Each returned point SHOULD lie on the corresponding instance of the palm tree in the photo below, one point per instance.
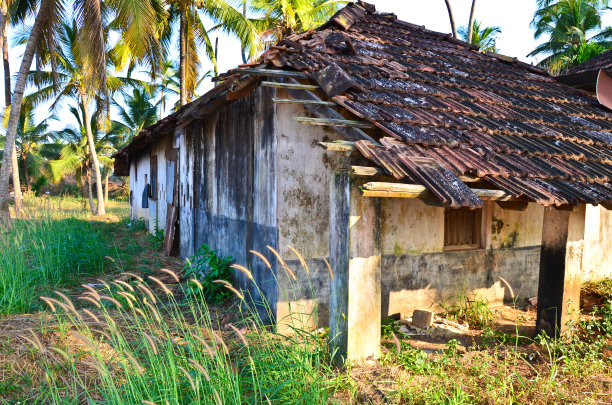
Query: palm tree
(280, 18)
(139, 112)
(4, 21)
(29, 138)
(46, 19)
(187, 14)
(73, 81)
(574, 28)
(75, 157)
(167, 84)
(485, 38)
(42, 42)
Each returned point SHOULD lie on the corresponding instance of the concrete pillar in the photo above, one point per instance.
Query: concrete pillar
(355, 257)
(560, 270)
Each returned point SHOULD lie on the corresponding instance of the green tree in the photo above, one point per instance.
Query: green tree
(75, 157)
(42, 42)
(28, 141)
(279, 18)
(72, 81)
(188, 15)
(484, 37)
(139, 112)
(574, 31)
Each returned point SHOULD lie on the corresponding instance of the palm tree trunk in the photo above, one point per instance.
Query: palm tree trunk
(451, 18)
(471, 22)
(92, 207)
(24, 162)
(183, 55)
(26, 62)
(94, 156)
(7, 100)
(242, 49)
(106, 187)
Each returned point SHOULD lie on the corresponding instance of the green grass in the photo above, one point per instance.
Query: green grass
(54, 244)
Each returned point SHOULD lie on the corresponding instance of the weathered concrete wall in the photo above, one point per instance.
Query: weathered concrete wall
(232, 205)
(418, 273)
(597, 255)
(304, 170)
(139, 176)
(158, 207)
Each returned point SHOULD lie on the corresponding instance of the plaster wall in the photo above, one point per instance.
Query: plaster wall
(597, 257)
(417, 273)
(303, 203)
(139, 168)
(158, 207)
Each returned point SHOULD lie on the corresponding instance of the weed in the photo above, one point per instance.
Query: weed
(389, 327)
(157, 237)
(207, 267)
(474, 311)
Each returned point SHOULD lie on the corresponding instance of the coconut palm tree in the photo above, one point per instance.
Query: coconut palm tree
(279, 18)
(484, 37)
(188, 15)
(574, 30)
(73, 82)
(139, 112)
(29, 139)
(48, 15)
(75, 157)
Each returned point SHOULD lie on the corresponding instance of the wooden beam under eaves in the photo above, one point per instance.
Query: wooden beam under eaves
(333, 122)
(270, 73)
(401, 190)
(292, 86)
(303, 102)
(367, 171)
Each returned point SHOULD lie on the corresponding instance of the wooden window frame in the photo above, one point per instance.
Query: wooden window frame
(458, 219)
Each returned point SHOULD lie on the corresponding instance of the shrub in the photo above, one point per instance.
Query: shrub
(207, 267)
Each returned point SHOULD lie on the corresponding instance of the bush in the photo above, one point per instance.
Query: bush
(207, 267)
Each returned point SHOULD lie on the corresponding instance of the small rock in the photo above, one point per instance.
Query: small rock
(533, 301)
(422, 319)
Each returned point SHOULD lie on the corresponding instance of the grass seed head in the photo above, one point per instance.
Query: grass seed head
(124, 284)
(262, 257)
(301, 259)
(161, 284)
(188, 376)
(172, 274)
(331, 272)
(136, 276)
(240, 335)
(89, 299)
(200, 368)
(151, 342)
(243, 269)
(93, 291)
(148, 292)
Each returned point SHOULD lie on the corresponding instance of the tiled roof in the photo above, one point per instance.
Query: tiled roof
(478, 114)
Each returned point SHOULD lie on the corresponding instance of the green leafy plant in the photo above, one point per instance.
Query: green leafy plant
(475, 311)
(157, 237)
(388, 327)
(208, 268)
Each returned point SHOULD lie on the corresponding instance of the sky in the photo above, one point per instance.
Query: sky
(512, 16)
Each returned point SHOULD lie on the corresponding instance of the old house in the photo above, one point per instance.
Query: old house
(417, 166)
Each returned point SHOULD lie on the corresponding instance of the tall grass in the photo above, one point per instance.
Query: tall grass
(146, 347)
(48, 247)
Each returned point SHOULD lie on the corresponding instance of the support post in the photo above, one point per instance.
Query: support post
(560, 270)
(355, 257)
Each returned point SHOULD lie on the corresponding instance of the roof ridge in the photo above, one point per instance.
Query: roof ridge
(349, 15)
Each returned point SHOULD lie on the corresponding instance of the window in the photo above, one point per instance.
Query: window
(462, 229)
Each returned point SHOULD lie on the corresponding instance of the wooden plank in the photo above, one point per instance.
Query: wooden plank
(333, 122)
(349, 133)
(338, 146)
(270, 73)
(293, 86)
(309, 102)
(367, 171)
(402, 190)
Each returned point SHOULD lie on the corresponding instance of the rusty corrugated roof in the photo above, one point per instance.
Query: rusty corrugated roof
(438, 98)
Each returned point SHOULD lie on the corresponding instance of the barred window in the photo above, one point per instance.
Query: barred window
(462, 229)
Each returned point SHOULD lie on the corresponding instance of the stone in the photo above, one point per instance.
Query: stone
(422, 319)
